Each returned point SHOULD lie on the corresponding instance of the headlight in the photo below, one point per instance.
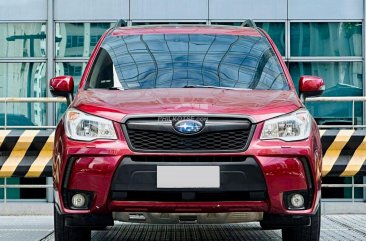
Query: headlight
(292, 127)
(84, 127)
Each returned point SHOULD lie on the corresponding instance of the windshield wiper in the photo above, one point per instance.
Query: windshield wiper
(214, 87)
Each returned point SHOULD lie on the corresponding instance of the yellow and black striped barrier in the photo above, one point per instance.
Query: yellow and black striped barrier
(344, 152)
(26, 153)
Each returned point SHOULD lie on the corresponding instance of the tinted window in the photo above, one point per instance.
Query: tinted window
(179, 60)
(326, 39)
(22, 40)
(78, 39)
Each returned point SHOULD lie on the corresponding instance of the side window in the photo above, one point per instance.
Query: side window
(102, 73)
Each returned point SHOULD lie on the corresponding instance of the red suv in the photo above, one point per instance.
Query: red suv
(187, 124)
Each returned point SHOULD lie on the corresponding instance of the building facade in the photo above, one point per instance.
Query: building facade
(41, 39)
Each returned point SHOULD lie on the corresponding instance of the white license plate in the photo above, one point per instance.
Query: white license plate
(188, 177)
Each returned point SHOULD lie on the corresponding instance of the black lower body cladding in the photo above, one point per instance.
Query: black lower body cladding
(241, 179)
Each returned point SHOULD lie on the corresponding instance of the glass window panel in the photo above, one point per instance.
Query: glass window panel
(277, 33)
(23, 40)
(76, 71)
(78, 39)
(342, 192)
(326, 39)
(213, 60)
(23, 80)
(12, 193)
(341, 79)
(32, 193)
(276, 30)
(24, 114)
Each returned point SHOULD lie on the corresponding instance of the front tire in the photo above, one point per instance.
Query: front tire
(304, 233)
(63, 233)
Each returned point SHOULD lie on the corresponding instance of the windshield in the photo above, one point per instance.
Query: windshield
(187, 60)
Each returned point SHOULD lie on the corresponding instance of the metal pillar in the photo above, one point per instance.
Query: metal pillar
(50, 58)
(50, 73)
(363, 57)
(364, 77)
(49, 191)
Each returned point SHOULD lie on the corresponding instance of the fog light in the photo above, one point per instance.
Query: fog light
(78, 200)
(297, 200)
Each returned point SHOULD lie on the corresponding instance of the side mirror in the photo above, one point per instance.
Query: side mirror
(63, 86)
(310, 86)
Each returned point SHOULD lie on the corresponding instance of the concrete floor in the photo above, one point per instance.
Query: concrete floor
(34, 222)
(35, 228)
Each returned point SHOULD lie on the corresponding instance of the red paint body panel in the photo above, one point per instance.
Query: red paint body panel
(62, 84)
(257, 104)
(98, 160)
(311, 83)
(279, 161)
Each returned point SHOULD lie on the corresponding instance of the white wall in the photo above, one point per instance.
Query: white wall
(325, 9)
(23, 10)
(248, 9)
(110, 10)
(169, 9)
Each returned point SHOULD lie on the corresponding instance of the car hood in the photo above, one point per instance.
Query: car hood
(258, 105)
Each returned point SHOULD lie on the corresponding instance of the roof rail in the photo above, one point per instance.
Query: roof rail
(248, 23)
(121, 23)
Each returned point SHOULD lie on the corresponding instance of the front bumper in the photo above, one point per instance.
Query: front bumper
(283, 167)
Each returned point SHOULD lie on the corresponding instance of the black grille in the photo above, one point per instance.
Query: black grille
(209, 140)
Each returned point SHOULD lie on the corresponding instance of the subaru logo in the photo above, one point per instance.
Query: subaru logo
(188, 126)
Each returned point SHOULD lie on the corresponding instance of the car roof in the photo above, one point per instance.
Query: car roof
(186, 29)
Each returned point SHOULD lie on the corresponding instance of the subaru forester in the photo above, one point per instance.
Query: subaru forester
(187, 124)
